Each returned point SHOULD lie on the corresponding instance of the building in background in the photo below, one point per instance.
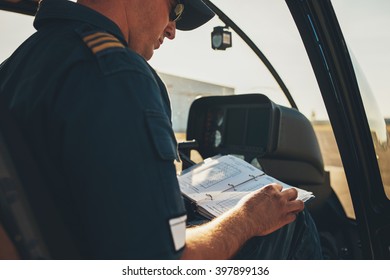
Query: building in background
(183, 92)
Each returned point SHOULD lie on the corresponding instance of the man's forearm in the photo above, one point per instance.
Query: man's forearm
(218, 239)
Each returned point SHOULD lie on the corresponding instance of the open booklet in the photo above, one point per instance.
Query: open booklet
(218, 183)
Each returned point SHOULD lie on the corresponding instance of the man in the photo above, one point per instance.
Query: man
(97, 119)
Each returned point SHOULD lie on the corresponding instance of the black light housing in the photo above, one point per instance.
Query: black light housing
(221, 39)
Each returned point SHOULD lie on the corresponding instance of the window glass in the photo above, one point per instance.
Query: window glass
(365, 28)
(14, 29)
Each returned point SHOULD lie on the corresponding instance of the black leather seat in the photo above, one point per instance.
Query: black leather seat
(30, 222)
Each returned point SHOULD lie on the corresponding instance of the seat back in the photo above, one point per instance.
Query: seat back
(8, 250)
(29, 218)
(19, 230)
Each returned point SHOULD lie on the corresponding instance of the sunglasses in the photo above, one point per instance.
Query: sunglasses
(176, 11)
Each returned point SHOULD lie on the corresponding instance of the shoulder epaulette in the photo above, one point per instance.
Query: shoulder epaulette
(102, 41)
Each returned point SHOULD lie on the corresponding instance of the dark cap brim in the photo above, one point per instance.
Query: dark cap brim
(195, 14)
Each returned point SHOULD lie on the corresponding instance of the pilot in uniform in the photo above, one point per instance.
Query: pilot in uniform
(97, 117)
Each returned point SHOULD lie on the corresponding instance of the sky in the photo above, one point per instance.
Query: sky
(364, 23)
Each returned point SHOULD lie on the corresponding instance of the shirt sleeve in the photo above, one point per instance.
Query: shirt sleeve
(116, 152)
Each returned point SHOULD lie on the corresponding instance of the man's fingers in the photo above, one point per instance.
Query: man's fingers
(291, 193)
(291, 217)
(274, 186)
(296, 206)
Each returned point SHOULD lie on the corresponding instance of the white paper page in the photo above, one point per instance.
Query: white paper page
(214, 176)
(227, 200)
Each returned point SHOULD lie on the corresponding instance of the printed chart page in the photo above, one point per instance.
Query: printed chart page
(226, 200)
(214, 176)
(219, 183)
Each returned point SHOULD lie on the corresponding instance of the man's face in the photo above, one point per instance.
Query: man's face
(152, 26)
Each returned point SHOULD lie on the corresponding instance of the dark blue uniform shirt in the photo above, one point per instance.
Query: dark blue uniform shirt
(97, 118)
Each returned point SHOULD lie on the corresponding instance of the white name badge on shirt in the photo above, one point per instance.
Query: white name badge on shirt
(178, 231)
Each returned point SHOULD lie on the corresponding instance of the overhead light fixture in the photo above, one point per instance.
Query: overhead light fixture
(221, 39)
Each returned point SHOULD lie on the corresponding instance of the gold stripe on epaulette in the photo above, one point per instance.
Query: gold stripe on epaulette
(107, 46)
(96, 35)
(100, 41)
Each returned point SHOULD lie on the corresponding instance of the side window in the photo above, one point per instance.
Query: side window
(368, 40)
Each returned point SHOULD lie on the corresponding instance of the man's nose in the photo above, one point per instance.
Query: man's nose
(170, 30)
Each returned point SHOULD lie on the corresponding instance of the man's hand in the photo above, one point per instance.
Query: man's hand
(258, 213)
(269, 208)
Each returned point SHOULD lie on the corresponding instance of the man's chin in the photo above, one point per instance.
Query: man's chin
(148, 55)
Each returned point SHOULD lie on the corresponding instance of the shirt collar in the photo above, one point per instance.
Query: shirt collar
(64, 9)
